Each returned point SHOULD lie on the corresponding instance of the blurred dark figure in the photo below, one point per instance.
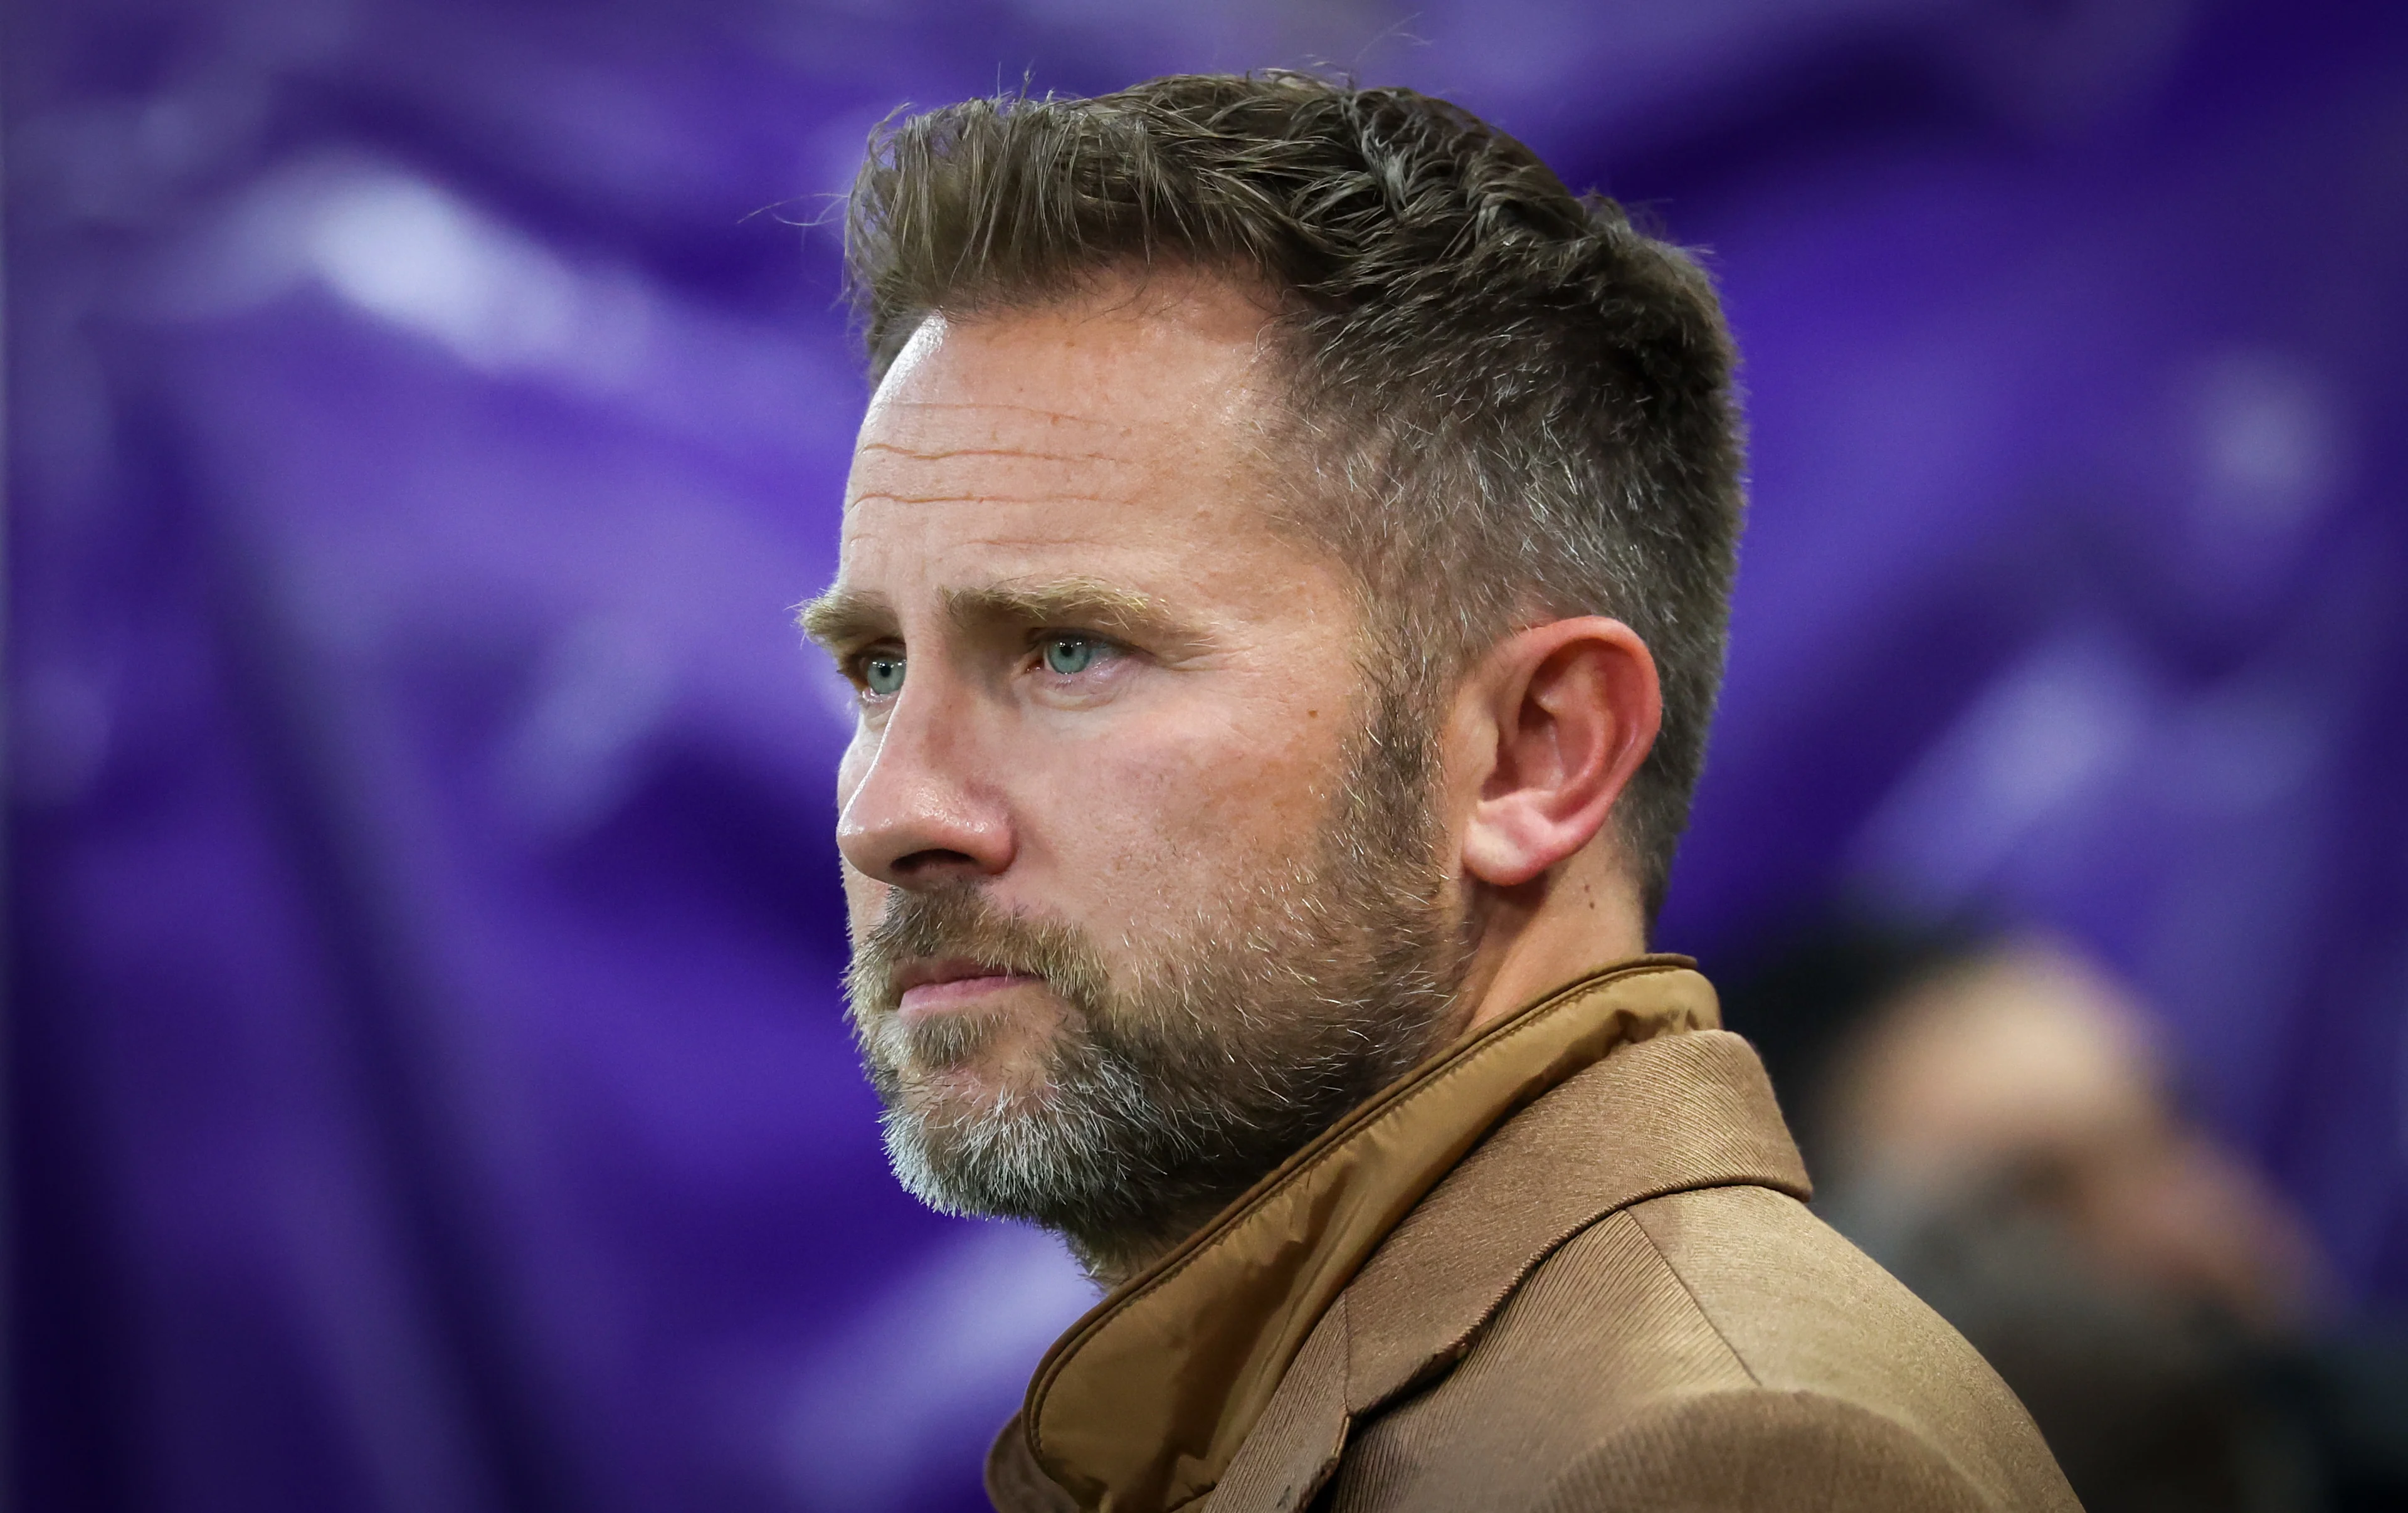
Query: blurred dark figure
(1994, 1120)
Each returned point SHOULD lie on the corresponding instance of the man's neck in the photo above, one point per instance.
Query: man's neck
(1583, 917)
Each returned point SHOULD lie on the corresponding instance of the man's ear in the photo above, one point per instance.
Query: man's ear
(1561, 715)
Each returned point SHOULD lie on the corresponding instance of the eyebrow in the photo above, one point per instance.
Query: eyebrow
(1089, 603)
(843, 618)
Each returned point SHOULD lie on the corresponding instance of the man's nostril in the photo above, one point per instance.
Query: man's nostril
(932, 863)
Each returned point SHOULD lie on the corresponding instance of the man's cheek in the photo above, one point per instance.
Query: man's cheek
(1182, 800)
(1265, 784)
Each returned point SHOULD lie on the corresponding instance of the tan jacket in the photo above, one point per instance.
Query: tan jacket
(1565, 1265)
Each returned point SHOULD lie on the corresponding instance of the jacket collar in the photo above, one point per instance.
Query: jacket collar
(1145, 1403)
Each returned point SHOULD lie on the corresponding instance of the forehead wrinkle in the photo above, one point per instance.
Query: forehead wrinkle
(1000, 415)
(1019, 453)
(991, 404)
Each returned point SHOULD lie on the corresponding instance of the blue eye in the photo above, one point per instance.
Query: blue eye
(881, 674)
(1068, 655)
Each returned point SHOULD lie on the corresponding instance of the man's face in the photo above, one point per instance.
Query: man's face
(1143, 881)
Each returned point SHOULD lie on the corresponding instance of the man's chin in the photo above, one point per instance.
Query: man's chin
(968, 1144)
(960, 1068)
(970, 1090)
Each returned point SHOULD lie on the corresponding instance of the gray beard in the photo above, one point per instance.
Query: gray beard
(1252, 1026)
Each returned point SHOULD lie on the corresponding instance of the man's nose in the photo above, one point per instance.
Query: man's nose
(927, 811)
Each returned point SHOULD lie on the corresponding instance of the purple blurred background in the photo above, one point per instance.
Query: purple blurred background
(426, 1081)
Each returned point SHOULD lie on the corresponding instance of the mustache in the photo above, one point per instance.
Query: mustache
(959, 920)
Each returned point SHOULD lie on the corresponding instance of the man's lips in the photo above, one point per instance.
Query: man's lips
(937, 987)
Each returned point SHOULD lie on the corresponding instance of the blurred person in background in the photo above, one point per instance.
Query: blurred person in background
(1995, 1118)
(1285, 573)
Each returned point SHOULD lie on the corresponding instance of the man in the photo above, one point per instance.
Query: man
(1285, 571)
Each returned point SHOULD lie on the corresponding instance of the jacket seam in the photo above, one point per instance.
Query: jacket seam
(1691, 1293)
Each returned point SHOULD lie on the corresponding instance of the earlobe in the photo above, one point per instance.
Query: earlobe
(1571, 709)
(1501, 852)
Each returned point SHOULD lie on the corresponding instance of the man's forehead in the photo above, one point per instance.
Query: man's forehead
(902, 419)
(1002, 419)
(1113, 444)
(997, 450)
(1088, 371)
(1128, 409)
